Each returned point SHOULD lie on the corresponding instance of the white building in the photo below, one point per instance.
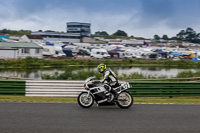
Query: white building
(32, 38)
(6, 53)
(16, 50)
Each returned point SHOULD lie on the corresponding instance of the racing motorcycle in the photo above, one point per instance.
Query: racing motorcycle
(98, 92)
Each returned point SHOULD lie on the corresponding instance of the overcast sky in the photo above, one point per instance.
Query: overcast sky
(140, 18)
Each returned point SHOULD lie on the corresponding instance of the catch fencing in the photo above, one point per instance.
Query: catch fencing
(65, 88)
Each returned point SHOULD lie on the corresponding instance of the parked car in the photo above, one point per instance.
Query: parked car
(83, 52)
(125, 54)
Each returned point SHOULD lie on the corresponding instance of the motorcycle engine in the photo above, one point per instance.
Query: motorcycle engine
(110, 97)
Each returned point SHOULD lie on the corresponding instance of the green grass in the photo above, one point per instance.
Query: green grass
(175, 100)
(36, 99)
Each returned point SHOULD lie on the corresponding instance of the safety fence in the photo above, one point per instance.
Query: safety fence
(64, 88)
(12, 87)
(54, 88)
(157, 89)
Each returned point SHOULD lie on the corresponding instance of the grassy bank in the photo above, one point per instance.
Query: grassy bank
(175, 100)
(39, 63)
(36, 99)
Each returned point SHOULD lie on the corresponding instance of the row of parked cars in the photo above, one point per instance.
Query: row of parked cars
(143, 53)
(112, 51)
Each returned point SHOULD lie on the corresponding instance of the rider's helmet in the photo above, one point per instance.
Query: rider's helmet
(101, 68)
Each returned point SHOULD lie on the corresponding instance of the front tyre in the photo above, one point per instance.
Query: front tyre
(124, 100)
(85, 100)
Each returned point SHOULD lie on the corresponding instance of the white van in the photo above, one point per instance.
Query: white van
(99, 53)
(59, 52)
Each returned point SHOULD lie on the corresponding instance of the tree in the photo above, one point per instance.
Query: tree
(165, 37)
(120, 33)
(189, 35)
(15, 32)
(101, 33)
(198, 36)
(49, 31)
(5, 31)
(156, 37)
(181, 35)
(173, 38)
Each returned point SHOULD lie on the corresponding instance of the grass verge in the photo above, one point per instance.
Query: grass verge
(175, 100)
(36, 99)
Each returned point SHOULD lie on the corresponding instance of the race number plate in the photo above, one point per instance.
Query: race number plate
(126, 86)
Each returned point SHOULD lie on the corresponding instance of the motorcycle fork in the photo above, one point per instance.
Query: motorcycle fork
(88, 94)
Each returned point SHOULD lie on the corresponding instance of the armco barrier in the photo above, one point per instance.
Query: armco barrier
(157, 89)
(54, 88)
(12, 87)
(64, 88)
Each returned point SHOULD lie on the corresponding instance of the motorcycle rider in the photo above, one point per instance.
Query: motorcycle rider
(109, 77)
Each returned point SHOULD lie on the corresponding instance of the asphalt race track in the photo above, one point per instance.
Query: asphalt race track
(70, 118)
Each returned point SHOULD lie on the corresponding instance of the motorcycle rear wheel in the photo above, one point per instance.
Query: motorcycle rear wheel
(124, 100)
(84, 101)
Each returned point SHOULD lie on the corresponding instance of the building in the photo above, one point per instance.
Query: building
(75, 33)
(88, 40)
(59, 36)
(16, 50)
(82, 28)
(114, 41)
(32, 38)
(133, 42)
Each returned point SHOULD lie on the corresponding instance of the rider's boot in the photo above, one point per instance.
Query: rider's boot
(115, 93)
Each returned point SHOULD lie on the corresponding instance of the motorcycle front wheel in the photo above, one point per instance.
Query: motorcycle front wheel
(124, 100)
(85, 100)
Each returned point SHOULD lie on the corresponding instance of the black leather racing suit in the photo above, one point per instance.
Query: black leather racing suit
(110, 78)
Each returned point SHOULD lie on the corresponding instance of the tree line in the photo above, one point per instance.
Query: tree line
(188, 35)
(15, 32)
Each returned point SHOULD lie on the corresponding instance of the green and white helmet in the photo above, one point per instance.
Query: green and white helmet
(101, 68)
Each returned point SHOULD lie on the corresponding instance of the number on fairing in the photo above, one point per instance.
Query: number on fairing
(126, 86)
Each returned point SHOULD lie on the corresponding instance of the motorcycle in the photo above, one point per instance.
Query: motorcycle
(98, 92)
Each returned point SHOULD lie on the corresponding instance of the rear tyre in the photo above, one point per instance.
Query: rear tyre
(124, 100)
(85, 100)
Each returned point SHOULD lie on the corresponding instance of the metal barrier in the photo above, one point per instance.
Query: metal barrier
(12, 87)
(157, 89)
(54, 88)
(64, 88)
